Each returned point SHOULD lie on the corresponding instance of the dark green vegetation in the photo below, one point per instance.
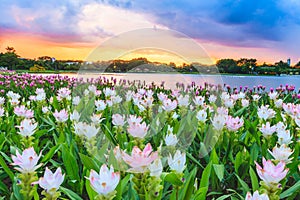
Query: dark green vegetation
(12, 61)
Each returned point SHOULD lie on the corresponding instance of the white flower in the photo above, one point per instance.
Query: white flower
(241, 95)
(88, 130)
(171, 139)
(199, 100)
(2, 100)
(27, 127)
(118, 120)
(100, 105)
(183, 100)
(109, 92)
(96, 118)
(256, 196)
(264, 112)
(175, 115)
(201, 115)
(63, 93)
(267, 130)
(229, 103)
(273, 95)
(76, 100)
(75, 116)
(256, 97)
(278, 103)
(2, 111)
(219, 121)
(245, 102)
(27, 161)
(282, 153)
(106, 181)
(138, 129)
(225, 96)
(177, 162)
(156, 168)
(297, 121)
(212, 98)
(50, 182)
(169, 105)
(116, 99)
(61, 116)
(284, 137)
(45, 109)
(280, 126)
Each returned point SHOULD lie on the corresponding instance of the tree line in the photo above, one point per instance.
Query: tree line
(11, 60)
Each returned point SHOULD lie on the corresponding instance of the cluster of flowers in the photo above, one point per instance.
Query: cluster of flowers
(152, 133)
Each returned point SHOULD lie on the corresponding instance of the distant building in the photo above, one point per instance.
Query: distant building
(289, 62)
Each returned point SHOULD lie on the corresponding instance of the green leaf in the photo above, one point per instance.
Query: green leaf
(120, 188)
(224, 197)
(205, 176)
(172, 178)
(188, 188)
(291, 191)
(92, 194)
(238, 161)
(70, 163)
(254, 180)
(6, 168)
(219, 170)
(72, 195)
(50, 153)
(201, 194)
(243, 184)
(89, 162)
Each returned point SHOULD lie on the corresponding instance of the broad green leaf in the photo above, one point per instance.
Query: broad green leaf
(204, 182)
(243, 184)
(70, 163)
(172, 178)
(291, 191)
(188, 188)
(89, 162)
(72, 195)
(219, 170)
(254, 180)
(6, 168)
(50, 153)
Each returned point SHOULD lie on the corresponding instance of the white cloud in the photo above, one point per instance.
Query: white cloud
(98, 20)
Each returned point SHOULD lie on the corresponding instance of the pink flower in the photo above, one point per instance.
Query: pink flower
(27, 162)
(27, 127)
(256, 196)
(233, 124)
(61, 116)
(140, 160)
(106, 181)
(118, 120)
(169, 105)
(138, 130)
(21, 111)
(271, 173)
(267, 130)
(51, 181)
(282, 153)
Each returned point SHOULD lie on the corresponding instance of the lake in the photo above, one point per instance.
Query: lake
(170, 80)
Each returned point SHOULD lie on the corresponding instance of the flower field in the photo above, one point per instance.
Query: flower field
(70, 138)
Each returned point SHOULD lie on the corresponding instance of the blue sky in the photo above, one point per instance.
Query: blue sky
(242, 28)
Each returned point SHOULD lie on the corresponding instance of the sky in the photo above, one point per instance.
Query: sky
(267, 30)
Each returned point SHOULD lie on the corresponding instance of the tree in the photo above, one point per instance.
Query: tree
(247, 64)
(281, 67)
(227, 66)
(9, 59)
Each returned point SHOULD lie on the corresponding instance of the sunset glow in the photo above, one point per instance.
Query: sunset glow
(73, 29)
